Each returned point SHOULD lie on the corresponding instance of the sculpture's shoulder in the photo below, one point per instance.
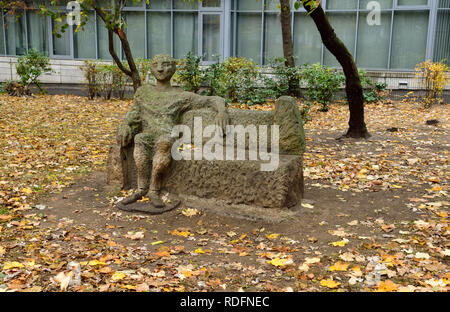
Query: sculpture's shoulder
(145, 93)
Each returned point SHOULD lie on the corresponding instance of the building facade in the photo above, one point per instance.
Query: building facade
(383, 35)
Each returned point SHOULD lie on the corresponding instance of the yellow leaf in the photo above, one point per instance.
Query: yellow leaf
(96, 262)
(340, 243)
(199, 251)
(272, 236)
(12, 265)
(387, 286)
(339, 266)
(143, 199)
(280, 262)
(178, 233)
(157, 243)
(2, 250)
(329, 283)
(117, 276)
(129, 287)
(27, 191)
(396, 186)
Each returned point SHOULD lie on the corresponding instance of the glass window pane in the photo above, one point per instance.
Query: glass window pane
(185, 4)
(37, 27)
(442, 39)
(345, 25)
(135, 3)
(385, 4)
(185, 34)
(159, 38)
(211, 36)
(84, 40)
(211, 3)
(342, 4)
(307, 41)
(135, 30)
(159, 4)
(412, 2)
(409, 39)
(2, 42)
(373, 42)
(103, 45)
(249, 36)
(61, 45)
(273, 5)
(273, 43)
(249, 5)
(444, 3)
(15, 35)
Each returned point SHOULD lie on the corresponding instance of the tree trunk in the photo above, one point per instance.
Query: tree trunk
(127, 50)
(132, 72)
(357, 126)
(288, 46)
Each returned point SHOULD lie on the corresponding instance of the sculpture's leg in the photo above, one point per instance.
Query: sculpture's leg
(161, 164)
(142, 158)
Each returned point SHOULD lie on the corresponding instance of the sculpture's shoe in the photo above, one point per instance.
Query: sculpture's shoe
(133, 198)
(156, 201)
(148, 208)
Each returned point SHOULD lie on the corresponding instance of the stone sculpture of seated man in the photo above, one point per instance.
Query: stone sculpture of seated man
(156, 110)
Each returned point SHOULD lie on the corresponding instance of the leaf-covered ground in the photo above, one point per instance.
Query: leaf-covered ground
(375, 216)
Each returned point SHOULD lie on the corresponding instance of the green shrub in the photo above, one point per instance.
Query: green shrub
(91, 72)
(322, 83)
(372, 92)
(237, 79)
(189, 74)
(143, 67)
(30, 67)
(283, 76)
(112, 81)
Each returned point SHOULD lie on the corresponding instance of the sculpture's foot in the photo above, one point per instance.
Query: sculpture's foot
(156, 200)
(148, 208)
(133, 198)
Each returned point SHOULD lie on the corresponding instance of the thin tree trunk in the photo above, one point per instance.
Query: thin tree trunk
(132, 72)
(288, 46)
(353, 88)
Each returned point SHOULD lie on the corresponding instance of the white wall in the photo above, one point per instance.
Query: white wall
(68, 71)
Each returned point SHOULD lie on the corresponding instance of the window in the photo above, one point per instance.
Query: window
(273, 43)
(412, 2)
(307, 41)
(15, 35)
(159, 33)
(185, 34)
(248, 41)
(409, 39)
(341, 4)
(373, 42)
(84, 40)
(442, 37)
(135, 30)
(344, 25)
(37, 28)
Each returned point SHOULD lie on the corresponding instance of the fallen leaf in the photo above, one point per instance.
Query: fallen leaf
(339, 266)
(329, 283)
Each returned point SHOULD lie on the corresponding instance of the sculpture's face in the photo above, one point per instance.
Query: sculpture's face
(163, 67)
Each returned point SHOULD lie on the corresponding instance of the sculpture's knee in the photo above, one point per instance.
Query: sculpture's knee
(143, 146)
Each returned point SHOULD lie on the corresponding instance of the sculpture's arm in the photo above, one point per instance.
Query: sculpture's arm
(216, 103)
(130, 126)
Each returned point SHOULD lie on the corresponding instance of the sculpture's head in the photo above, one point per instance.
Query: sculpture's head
(163, 67)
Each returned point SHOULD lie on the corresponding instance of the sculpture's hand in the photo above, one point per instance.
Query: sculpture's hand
(124, 136)
(222, 120)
